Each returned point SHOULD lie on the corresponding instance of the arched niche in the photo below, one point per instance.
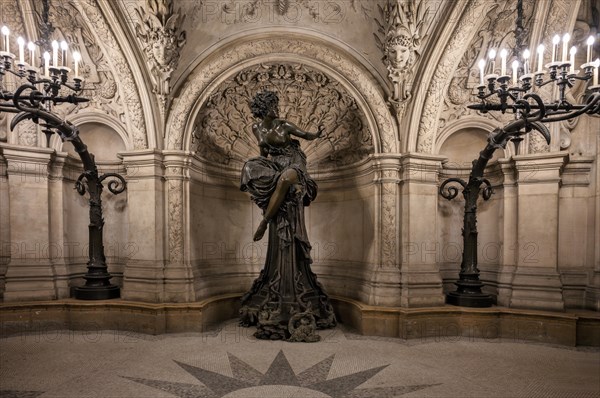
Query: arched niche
(462, 147)
(307, 97)
(212, 120)
(462, 140)
(102, 140)
(461, 144)
(322, 54)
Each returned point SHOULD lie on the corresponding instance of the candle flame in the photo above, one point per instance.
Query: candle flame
(556, 39)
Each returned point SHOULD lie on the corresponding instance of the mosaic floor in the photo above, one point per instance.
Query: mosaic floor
(230, 363)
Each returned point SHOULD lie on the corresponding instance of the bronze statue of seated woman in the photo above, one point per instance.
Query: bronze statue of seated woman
(281, 186)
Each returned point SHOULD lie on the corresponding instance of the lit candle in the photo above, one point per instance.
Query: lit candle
(596, 67)
(565, 40)
(573, 52)
(54, 53)
(540, 51)
(526, 55)
(76, 59)
(6, 33)
(492, 56)
(31, 48)
(503, 55)
(515, 67)
(555, 41)
(590, 43)
(64, 47)
(481, 68)
(21, 43)
(46, 64)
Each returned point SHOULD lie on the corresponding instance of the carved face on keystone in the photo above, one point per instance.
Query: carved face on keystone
(399, 52)
(163, 50)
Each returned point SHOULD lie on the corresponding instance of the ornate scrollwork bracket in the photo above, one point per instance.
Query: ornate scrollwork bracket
(116, 186)
(451, 192)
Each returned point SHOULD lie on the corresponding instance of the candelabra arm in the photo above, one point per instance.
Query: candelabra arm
(591, 107)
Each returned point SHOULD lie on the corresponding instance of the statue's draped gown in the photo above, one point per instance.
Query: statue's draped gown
(286, 286)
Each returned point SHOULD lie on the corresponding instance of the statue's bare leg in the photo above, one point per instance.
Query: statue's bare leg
(286, 180)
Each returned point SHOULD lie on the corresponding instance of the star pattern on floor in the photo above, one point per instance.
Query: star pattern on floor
(280, 373)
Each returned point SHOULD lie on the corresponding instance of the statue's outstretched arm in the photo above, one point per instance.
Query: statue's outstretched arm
(292, 129)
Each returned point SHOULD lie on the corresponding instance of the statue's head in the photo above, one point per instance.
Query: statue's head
(264, 103)
(399, 51)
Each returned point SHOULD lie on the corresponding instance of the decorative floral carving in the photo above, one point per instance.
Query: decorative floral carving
(127, 90)
(100, 86)
(162, 39)
(388, 221)
(496, 32)
(556, 22)
(175, 189)
(308, 98)
(443, 75)
(400, 37)
(201, 77)
(25, 132)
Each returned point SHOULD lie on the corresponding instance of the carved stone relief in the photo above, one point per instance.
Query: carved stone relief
(585, 26)
(175, 221)
(556, 23)
(495, 32)
(99, 86)
(388, 217)
(113, 87)
(199, 80)
(455, 48)
(400, 35)
(161, 38)
(308, 98)
(25, 132)
(320, 11)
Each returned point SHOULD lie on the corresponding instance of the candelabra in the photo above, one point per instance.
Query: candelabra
(515, 95)
(33, 99)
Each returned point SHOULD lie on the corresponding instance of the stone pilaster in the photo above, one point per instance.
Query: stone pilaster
(144, 272)
(592, 291)
(421, 282)
(508, 231)
(178, 275)
(576, 230)
(56, 202)
(385, 278)
(4, 222)
(30, 272)
(536, 283)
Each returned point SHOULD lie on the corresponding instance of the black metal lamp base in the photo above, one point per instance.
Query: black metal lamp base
(477, 300)
(97, 292)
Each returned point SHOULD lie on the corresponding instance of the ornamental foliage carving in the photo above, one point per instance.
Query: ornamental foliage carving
(308, 98)
(443, 74)
(496, 32)
(100, 85)
(126, 88)
(162, 40)
(400, 35)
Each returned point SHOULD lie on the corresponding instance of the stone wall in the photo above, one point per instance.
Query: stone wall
(177, 127)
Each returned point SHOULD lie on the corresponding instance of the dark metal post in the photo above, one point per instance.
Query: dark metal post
(97, 285)
(97, 279)
(468, 292)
